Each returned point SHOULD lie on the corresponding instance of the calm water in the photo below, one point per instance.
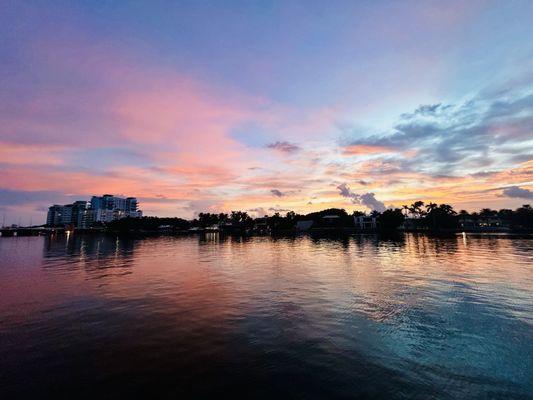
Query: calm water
(409, 317)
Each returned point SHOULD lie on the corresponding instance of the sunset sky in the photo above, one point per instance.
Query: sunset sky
(265, 106)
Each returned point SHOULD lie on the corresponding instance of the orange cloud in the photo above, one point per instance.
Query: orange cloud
(356, 150)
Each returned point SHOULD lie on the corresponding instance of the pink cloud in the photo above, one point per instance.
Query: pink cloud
(22, 154)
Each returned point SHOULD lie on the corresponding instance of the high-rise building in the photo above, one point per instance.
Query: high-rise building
(82, 214)
(55, 215)
(108, 208)
(62, 215)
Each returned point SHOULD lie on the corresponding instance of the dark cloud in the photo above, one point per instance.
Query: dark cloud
(277, 193)
(484, 174)
(284, 147)
(367, 199)
(426, 110)
(517, 192)
(345, 191)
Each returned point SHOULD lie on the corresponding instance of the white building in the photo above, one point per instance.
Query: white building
(108, 208)
(365, 222)
(81, 214)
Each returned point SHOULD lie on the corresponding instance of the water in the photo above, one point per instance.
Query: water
(356, 317)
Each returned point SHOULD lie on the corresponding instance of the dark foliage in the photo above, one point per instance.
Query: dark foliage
(148, 224)
(440, 217)
(421, 217)
(390, 219)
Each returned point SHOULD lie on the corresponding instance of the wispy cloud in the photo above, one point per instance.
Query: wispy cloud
(284, 147)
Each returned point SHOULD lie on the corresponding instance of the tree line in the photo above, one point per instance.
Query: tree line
(418, 216)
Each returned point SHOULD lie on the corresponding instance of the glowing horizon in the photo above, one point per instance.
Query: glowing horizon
(265, 107)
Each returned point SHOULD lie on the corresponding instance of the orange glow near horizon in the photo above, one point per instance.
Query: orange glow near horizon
(84, 115)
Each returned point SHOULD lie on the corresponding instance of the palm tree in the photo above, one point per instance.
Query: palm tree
(416, 208)
(447, 209)
(430, 207)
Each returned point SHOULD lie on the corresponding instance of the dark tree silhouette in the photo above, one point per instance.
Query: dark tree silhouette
(391, 219)
(441, 217)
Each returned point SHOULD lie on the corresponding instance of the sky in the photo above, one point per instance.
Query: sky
(265, 106)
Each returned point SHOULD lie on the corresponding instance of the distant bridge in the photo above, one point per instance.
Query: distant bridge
(43, 230)
(29, 231)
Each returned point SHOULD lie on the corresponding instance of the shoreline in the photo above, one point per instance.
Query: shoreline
(26, 232)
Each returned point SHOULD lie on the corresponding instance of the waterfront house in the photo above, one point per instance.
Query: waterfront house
(261, 226)
(492, 222)
(467, 223)
(365, 222)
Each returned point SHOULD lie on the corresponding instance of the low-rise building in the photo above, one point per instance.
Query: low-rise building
(365, 222)
(466, 223)
(261, 226)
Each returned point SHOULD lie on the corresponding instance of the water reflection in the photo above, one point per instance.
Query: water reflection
(368, 316)
(83, 246)
(99, 256)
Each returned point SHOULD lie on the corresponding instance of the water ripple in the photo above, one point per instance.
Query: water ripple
(411, 316)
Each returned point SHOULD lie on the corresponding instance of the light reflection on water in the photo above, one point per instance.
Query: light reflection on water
(405, 317)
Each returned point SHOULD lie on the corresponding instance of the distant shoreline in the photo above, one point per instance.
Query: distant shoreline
(38, 231)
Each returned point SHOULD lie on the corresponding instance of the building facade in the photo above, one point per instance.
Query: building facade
(56, 215)
(108, 208)
(101, 209)
(81, 216)
(365, 222)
